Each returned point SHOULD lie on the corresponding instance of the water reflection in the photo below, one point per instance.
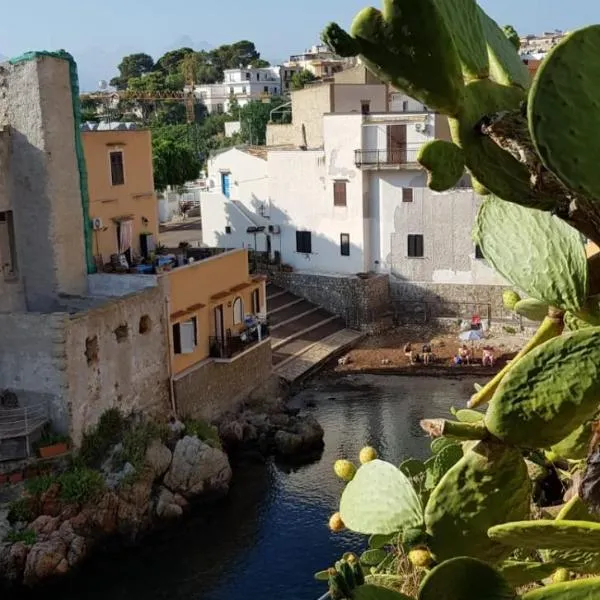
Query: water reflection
(270, 535)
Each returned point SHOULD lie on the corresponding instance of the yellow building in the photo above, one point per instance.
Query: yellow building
(123, 207)
(209, 305)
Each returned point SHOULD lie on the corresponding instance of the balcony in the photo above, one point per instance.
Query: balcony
(230, 346)
(399, 157)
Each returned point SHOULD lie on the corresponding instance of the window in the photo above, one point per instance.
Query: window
(219, 109)
(405, 106)
(415, 246)
(185, 337)
(231, 91)
(339, 193)
(365, 107)
(255, 302)
(8, 248)
(407, 194)
(478, 252)
(345, 244)
(304, 242)
(247, 76)
(117, 173)
(227, 228)
(266, 89)
(238, 311)
(244, 90)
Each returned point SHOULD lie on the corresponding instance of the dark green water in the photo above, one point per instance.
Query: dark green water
(270, 535)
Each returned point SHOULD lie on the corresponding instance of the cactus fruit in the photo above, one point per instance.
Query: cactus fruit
(533, 407)
(563, 112)
(509, 299)
(465, 578)
(344, 469)
(380, 499)
(367, 454)
(420, 557)
(583, 589)
(467, 415)
(520, 573)
(532, 309)
(489, 485)
(561, 576)
(444, 162)
(549, 535)
(335, 522)
(555, 271)
(550, 328)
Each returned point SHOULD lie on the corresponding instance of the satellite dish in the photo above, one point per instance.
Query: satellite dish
(102, 84)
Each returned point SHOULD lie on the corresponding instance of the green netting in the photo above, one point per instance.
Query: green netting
(83, 180)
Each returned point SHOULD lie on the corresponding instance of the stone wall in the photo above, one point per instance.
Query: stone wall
(211, 389)
(118, 356)
(33, 361)
(448, 300)
(340, 295)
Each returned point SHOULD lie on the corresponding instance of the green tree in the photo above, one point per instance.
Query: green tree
(301, 78)
(234, 107)
(134, 65)
(174, 159)
(254, 118)
(170, 63)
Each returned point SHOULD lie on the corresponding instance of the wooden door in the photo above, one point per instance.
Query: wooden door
(396, 144)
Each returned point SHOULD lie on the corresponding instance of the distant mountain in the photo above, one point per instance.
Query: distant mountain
(185, 41)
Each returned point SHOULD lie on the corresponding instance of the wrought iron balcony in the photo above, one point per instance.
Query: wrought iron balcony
(398, 156)
(230, 346)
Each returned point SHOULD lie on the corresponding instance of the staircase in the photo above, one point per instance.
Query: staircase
(303, 335)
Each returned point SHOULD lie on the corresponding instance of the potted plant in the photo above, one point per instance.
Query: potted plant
(52, 444)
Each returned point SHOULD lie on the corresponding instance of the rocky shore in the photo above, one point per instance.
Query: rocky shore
(171, 480)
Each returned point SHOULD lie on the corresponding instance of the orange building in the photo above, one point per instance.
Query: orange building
(212, 304)
(123, 207)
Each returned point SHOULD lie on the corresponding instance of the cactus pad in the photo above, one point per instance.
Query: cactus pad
(468, 415)
(564, 111)
(371, 558)
(445, 164)
(583, 589)
(465, 579)
(438, 444)
(548, 535)
(380, 499)
(412, 467)
(532, 309)
(375, 592)
(575, 445)
(489, 485)
(535, 251)
(519, 573)
(535, 408)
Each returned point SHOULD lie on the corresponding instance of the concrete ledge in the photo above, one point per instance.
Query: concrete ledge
(110, 284)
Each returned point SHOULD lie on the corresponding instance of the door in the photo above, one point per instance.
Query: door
(255, 302)
(219, 322)
(226, 184)
(396, 144)
(269, 249)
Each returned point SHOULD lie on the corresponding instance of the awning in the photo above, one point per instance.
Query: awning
(123, 218)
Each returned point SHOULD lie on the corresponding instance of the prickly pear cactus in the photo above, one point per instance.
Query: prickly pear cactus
(520, 573)
(380, 499)
(575, 445)
(533, 407)
(489, 485)
(583, 589)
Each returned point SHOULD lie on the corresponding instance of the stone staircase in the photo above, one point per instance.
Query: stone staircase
(303, 335)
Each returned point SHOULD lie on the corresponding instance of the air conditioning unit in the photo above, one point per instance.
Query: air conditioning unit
(419, 127)
(97, 223)
(274, 229)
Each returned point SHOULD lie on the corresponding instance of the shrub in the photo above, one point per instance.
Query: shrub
(97, 442)
(80, 485)
(20, 511)
(27, 536)
(203, 431)
(39, 485)
(137, 439)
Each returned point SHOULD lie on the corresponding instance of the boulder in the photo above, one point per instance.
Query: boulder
(158, 458)
(12, 561)
(4, 525)
(304, 435)
(198, 470)
(45, 525)
(46, 559)
(167, 506)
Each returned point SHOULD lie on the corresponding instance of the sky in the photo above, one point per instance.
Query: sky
(99, 34)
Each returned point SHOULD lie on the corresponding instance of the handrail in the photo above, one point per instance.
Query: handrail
(401, 155)
(20, 422)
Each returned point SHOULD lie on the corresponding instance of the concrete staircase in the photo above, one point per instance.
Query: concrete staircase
(303, 335)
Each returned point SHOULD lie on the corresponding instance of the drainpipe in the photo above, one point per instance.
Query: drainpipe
(169, 363)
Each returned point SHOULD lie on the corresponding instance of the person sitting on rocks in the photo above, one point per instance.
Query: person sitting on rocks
(408, 352)
(427, 353)
(464, 356)
(488, 357)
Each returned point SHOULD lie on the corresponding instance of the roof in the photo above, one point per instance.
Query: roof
(110, 126)
(257, 151)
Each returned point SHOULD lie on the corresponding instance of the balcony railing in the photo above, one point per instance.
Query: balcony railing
(230, 346)
(403, 155)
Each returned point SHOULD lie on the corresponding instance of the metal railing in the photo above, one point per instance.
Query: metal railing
(402, 155)
(231, 345)
(17, 425)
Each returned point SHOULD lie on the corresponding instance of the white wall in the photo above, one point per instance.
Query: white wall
(301, 192)
(400, 102)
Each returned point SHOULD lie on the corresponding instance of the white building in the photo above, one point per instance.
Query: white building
(245, 84)
(357, 202)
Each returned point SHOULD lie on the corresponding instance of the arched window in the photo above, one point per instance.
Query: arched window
(238, 311)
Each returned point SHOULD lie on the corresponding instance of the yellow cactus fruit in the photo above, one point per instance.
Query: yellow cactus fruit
(367, 454)
(560, 576)
(344, 469)
(420, 557)
(336, 523)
